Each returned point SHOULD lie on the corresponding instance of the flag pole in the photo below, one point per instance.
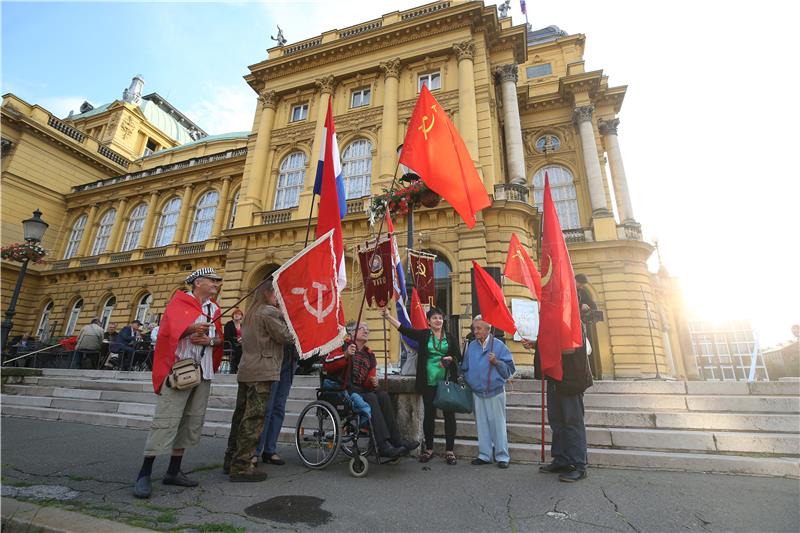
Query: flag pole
(385, 357)
(308, 224)
(535, 353)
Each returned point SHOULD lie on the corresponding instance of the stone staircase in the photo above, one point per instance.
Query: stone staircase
(727, 427)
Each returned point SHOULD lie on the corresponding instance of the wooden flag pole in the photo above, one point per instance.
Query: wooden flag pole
(385, 358)
(535, 353)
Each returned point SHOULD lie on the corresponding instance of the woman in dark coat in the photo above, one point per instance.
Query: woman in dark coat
(233, 336)
(438, 352)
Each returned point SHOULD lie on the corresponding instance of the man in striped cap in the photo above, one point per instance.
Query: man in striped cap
(190, 329)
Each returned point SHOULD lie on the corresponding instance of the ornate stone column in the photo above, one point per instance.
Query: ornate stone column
(120, 223)
(87, 231)
(219, 215)
(389, 122)
(149, 221)
(515, 156)
(597, 195)
(467, 109)
(608, 129)
(254, 181)
(186, 204)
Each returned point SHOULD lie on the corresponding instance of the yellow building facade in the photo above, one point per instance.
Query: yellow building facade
(136, 195)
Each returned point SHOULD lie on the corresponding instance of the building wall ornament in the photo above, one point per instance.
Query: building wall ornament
(608, 127)
(465, 50)
(326, 85)
(583, 113)
(391, 68)
(506, 73)
(127, 126)
(269, 99)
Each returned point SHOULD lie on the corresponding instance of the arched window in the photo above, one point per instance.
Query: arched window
(75, 237)
(562, 189)
(143, 309)
(442, 285)
(135, 226)
(74, 313)
(168, 222)
(204, 216)
(43, 331)
(104, 232)
(357, 169)
(290, 181)
(234, 205)
(108, 308)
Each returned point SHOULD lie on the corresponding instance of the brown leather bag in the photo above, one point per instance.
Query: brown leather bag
(185, 374)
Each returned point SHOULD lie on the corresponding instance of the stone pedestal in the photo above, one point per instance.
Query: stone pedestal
(407, 407)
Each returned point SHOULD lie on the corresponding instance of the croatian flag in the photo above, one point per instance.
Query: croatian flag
(399, 284)
(330, 187)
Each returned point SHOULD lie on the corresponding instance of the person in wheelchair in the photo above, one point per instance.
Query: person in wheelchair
(363, 382)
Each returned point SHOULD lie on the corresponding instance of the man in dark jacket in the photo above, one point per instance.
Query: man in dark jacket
(125, 343)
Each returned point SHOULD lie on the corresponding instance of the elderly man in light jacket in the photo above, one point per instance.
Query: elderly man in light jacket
(90, 340)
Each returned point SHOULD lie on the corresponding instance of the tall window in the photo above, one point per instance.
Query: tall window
(562, 189)
(357, 169)
(75, 237)
(290, 181)
(135, 226)
(234, 205)
(73, 317)
(299, 112)
(433, 80)
(204, 216)
(168, 222)
(360, 97)
(441, 277)
(104, 232)
(43, 331)
(143, 309)
(108, 308)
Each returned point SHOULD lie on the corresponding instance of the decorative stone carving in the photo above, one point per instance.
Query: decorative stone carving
(391, 68)
(583, 113)
(127, 126)
(608, 127)
(269, 99)
(326, 85)
(507, 73)
(464, 50)
(504, 8)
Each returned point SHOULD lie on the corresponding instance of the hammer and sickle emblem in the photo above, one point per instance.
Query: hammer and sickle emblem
(546, 277)
(319, 313)
(518, 255)
(424, 128)
(421, 269)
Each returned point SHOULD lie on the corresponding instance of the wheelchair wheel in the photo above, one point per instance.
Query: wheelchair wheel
(317, 435)
(353, 436)
(358, 466)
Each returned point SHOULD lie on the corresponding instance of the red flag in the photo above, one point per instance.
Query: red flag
(434, 150)
(492, 302)
(520, 268)
(308, 295)
(559, 317)
(418, 318)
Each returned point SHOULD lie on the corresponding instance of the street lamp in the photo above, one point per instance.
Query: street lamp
(33, 229)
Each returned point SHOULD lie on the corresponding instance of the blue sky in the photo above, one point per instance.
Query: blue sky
(708, 128)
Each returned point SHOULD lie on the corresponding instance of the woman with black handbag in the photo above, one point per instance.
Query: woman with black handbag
(438, 351)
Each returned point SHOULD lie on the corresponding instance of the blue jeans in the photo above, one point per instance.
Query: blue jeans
(276, 408)
(360, 405)
(565, 416)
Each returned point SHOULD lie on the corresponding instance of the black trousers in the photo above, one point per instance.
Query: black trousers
(565, 415)
(383, 423)
(429, 420)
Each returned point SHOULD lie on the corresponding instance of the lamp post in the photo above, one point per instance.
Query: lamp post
(33, 230)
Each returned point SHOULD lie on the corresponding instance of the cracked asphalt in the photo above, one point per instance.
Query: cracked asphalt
(100, 464)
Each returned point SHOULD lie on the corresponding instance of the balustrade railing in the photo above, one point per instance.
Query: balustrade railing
(194, 248)
(66, 129)
(511, 192)
(276, 217)
(152, 253)
(112, 155)
(121, 258)
(89, 261)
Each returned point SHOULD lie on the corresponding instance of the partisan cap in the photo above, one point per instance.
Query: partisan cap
(205, 272)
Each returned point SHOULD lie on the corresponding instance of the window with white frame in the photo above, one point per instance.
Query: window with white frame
(104, 232)
(75, 237)
(360, 97)
(432, 79)
(299, 112)
(143, 309)
(290, 181)
(357, 169)
(234, 206)
(108, 308)
(135, 226)
(204, 216)
(562, 190)
(168, 222)
(43, 331)
(73, 317)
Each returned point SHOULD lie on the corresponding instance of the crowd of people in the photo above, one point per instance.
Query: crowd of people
(189, 352)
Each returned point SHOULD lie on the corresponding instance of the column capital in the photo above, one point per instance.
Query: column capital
(390, 68)
(504, 73)
(464, 50)
(269, 99)
(326, 85)
(583, 113)
(608, 127)
(226, 178)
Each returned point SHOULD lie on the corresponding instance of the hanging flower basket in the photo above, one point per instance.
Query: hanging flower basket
(401, 200)
(20, 251)
(429, 198)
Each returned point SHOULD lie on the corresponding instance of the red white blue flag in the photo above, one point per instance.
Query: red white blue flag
(522, 7)
(399, 283)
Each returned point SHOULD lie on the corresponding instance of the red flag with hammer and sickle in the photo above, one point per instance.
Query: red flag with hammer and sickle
(434, 150)
(308, 295)
(520, 268)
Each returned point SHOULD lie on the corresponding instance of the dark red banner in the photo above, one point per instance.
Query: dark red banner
(422, 270)
(376, 271)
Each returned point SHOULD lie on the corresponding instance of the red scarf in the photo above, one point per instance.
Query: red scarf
(181, 312)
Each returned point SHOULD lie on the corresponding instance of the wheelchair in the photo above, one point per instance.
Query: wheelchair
(329, 424)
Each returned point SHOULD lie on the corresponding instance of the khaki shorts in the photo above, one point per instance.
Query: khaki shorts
(178, 421)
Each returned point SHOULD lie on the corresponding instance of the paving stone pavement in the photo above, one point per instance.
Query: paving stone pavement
(96, 466)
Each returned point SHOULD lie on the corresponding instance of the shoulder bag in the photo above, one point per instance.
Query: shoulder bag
(453, 395)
